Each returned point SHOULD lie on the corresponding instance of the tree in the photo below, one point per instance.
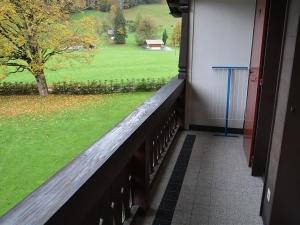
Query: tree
(113, 12)
(129, 3)
(103, 5)
(146, 29)
(91, 4)
(165, 37)
(137, 21)
(176, 35)
(33, 31)
(75, 5)
(120, 33)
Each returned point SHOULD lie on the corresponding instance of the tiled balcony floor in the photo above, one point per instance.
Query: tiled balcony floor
(217, 188)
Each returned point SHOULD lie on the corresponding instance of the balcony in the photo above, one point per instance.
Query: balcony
(121, 178)
(149, 170)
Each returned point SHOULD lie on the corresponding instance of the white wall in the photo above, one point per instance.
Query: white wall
(221, 34)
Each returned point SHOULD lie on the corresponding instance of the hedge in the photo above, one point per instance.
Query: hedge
(84, 88)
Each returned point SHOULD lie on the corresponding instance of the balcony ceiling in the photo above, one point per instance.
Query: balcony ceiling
(174, 7)
(178, 7)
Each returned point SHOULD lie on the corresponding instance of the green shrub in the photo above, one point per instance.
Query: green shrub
(84, 88)
(176, 35)
(131, 25)
(18, 88)
(129, 3)
(120, 27)
(165, 37)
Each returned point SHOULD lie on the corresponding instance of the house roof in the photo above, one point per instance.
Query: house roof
(154, 42)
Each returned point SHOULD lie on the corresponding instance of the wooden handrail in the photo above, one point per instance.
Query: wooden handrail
(105, 181)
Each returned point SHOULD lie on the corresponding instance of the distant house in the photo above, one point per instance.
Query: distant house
(155, 44)
(111, 32)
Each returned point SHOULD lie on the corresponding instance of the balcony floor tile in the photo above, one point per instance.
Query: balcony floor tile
(217, 189)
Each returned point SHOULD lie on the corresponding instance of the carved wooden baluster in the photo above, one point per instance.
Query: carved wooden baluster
(167, 132)
(175, 120)
(123, 214)
(166, 135)
(161, 143)
(151, 155)
(154, 159)
(157, 148)
(163, 138)
(169, 127)
(130, 192)
(172, 122)
(112, 206)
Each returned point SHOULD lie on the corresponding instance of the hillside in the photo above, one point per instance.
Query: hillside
(158, 12)
(116, 61)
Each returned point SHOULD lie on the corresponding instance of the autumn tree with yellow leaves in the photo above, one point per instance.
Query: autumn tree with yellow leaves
(33, 31)
(176, 35)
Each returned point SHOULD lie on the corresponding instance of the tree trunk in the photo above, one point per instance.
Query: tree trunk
(41, 84)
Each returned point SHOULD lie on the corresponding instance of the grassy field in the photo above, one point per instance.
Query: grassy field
(112, 62)
(117, 61)
(158, 12)
(42, 135)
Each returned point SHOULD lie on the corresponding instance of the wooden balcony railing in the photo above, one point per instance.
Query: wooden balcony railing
(108, 182)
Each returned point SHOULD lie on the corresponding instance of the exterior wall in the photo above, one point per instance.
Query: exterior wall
(221, 34)
(155, 46)
(281, 109)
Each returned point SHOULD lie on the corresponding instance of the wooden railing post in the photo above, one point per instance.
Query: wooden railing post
(183, 65)
(184, 44)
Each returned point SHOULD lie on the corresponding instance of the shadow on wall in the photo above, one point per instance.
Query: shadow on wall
(198, 102)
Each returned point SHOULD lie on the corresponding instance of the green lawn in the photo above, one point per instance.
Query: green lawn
(116, 61)
(41, 135)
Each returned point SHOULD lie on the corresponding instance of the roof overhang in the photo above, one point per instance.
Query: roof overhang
(154, 42)
(177, 7)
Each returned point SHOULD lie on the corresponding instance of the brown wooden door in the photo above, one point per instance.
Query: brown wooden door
(255, 76)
